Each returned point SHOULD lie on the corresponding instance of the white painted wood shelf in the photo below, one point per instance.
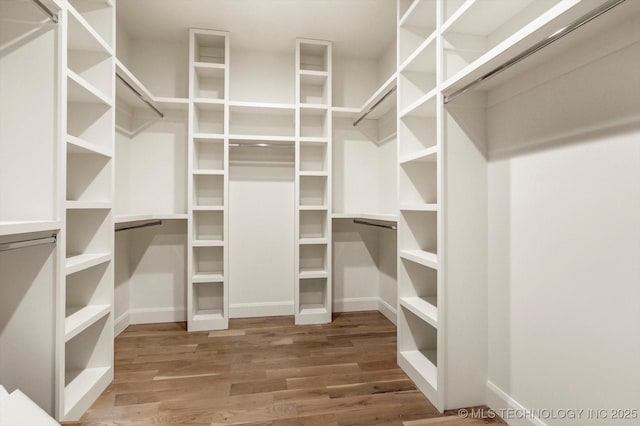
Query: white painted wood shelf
(81, 262)
(8, 227)
(421, 257)
(78, 319)
(424, 308)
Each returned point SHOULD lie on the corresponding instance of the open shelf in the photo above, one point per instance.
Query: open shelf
(423, 307)
(78, 146)
(415, 26)
(420, 364)
(208, 190)
(260, 119)
(208, 116)
(314, 122)
(125, 95)
(82, 35)
(81, 262)
(313, 56)
(208, 261)
(313, 301)
(314, 87)
(88, 381)
(208, 154)
(81, 91)
(8, 227)
(79, 318)
(418, 230)
(89, 232)
(417, 75)
(209, 47)
(313, 258)
(208, 226)
(89, 179)
(313, 225)
(208, 278)
(418, 183)
(421, 257)
(94, 69)
(209, 80)
(313, 190)
(417, 349)
(429, 155)
(310, 273)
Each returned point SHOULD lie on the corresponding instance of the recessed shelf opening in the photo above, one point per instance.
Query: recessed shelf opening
(313, 156)
(208, 225)
(419, 183)
(419, 231)
(88, 232)
(208, 261)
(91, 122)
(262, 121)
(88, 177)
(209, 48)
(208, 118)
(313, 295)
(208, 154)
(314, 123)
(208, 300)
(208, 190)
(313, 224)
(208, 82)
(313, 190)
(314, 57)
(313, 258)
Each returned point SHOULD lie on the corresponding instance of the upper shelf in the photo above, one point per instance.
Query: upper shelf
(384, 217)
(386, 102)
(28, 226)
(128, 95)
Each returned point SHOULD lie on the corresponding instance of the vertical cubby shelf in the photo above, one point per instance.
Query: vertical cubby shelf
(313, 182)
(209, 111)
(85, 336)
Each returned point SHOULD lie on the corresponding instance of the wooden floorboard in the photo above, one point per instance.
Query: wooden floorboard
(264, 371)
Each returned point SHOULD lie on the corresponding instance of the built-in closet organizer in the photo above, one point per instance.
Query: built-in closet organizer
(29, 201)
(509, 132)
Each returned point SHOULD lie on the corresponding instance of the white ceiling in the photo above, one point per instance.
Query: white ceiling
(358, 28)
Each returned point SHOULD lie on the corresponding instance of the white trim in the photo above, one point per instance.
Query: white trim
(266, 309)
(121, 323)
(157, 315)
(355, 304)
(498, 400)
(388, 311)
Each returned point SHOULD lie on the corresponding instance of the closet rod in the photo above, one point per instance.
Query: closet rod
(379, 225)
(584, 19)
(140, 95)
(28, 243)
(374, 106)
(47, 11)
(142, 225)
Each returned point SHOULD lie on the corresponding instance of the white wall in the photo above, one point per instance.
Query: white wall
(162, 67)
(262, 76)
(564, 231)
(122, 281)
(354, 81)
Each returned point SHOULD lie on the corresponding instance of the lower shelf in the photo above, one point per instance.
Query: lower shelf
(424, 258)
(424, 308)
(80, 318)
(313, 314)
(81, 262)
(421, 367)
(82, 388)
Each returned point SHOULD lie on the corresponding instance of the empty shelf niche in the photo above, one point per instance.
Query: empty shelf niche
(208, 81)
(262, 121)
(100, 16)
(88, 299)
(313, 225)
(313, 190)
(314, 57)
(314, 122)
(91, 122)
(418, 76)
(208, 264)
(313, 260)
(208, 300)
(208, 191)
(208, 154)
(88, 358)
(417, 132)
(209, 48)
(88, 177)
(478, 26)
(314, 87)
(417, 344)
(416, 25)
(418, 231)
(94, 67)
(418, 290)
(89, 234)
(208, 225)
(313, 156)
(418, 183)
(313, 296)
(208, 117)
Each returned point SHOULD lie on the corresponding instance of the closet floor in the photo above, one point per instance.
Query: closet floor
(264, 371)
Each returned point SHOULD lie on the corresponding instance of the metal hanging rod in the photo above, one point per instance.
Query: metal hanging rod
(50, 14)
(140, 95)
(588, 17)
(379, 225)
(374, 106)
(261, 145)
(142, 225)
(28, 243)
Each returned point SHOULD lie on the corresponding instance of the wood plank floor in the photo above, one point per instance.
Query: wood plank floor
(264, 371)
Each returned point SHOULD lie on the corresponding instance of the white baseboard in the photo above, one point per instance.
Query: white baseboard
(157, 315)
(388, 311)
(268, 309)
(356, 304)
(121, 323)
(499, 401)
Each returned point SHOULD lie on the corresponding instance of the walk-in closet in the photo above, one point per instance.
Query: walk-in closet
(319, 212)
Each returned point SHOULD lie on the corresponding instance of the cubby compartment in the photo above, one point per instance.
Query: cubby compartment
(94, 67)
(313, 190)
(313, 258)
(262, 120)
(479, 26)
(418, 77)
(89, 232)
(88, 371)
(209, 48)
(418, 183)
(314, 122)
(91, 122)
(208, 117)
(208, 264)
(313, 156)
(88, 298)
(418, 347)
(208, 154)
(208, 300)
(208, 225)
(208, 191)
(100, 16)
(419, 231)
(416, 25)
(416, 134)
(88, 178)
(313, 296)
(419, 290)
(314, 87)
(313, 224)
(208, 81)
(314, 57)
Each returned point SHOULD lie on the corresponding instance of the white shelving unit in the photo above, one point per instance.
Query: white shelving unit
(313, 124)
(208, 181)
(86, 280)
